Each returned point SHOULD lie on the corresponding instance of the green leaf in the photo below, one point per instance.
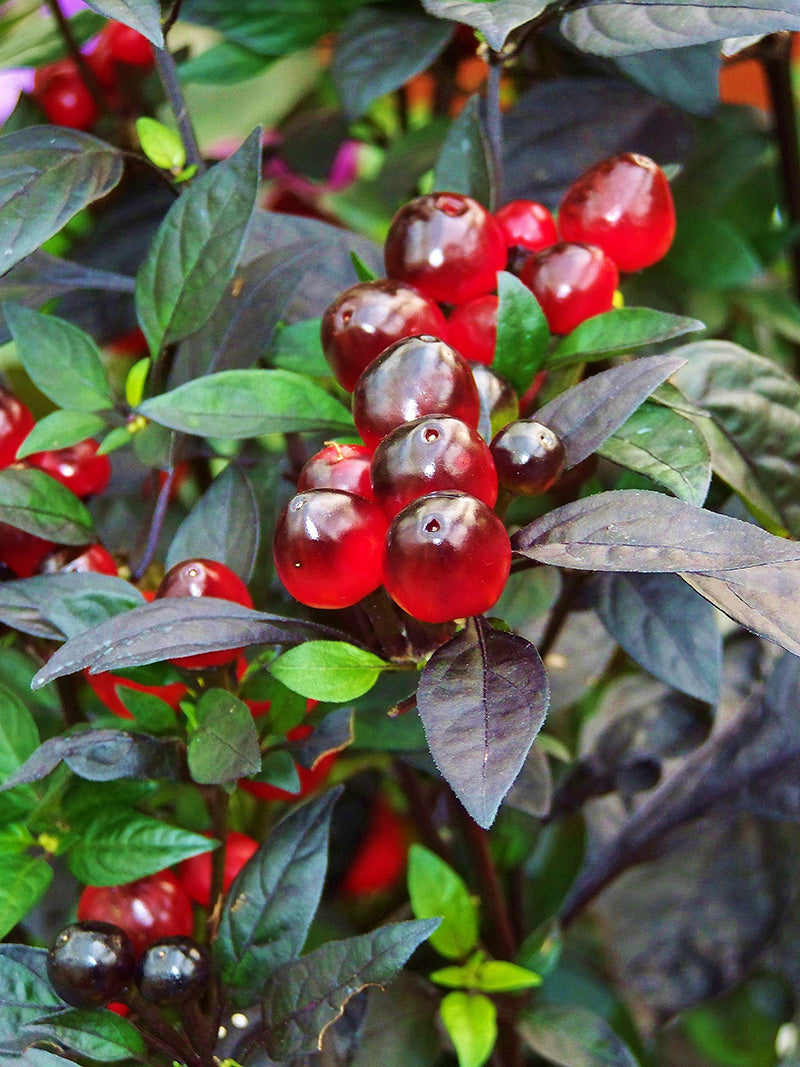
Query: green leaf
(24, 879)
(225, 744)
(298, 348)
(114, 439)
(136, 381)
(471, 1022)
(305, 996)
(47, 175)
(151, 712)
(488, 976)
(522, 333)
(709, 253)
(268, 911)
(573, 1037)
(224, 64)
(436, 890)
(19, 737)
(363, 272)
(619, 331)
(60, 429)
(98, 1035)
(464, 162)
(328, 670)
(118, 846)
(665, 446)
(160, 144)
(194, 254)
(25, 992)
(249, 403)
(495, 19)
(33, 501)
(60, 359)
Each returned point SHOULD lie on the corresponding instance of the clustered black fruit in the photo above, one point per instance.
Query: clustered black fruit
(173, 971)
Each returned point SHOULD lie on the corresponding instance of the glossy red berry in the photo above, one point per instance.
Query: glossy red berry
(365, 319)
(527, 224)
(472, 329)
(148, 909)
(63, 96)
(528, 456)
(195, 873)
(499, 402)
(447, 556)
(430, 455)
(624, 206)
(415, 377)
(92, 560)
(20, 551)
(174, 971)
(90, 963)
(446, 245)
(16, 422)
(380, 860)
(572, 282)
(78, 467)
(205, 577)
(339, 467)
(127, 45)
(327, 547)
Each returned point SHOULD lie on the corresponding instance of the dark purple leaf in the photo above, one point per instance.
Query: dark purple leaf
(142, 15)
(464, 164)
(482, 698)
(588, 413)
(532, 790)
(573, 1037)
(47, 175)
(174, 627)
(687, 77)
(566, 125)
(666, 628)
(272, 901)
(638, 530)
(25, 993)
(101, 756)
(495, 21)
(332, 734)
(58, 606)
(242, 324)
(305, 996)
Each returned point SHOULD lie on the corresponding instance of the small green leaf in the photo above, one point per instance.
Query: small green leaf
(114, 439)
(60, 359)
(33, 501)
(619, 331)
(19, 737)
(160, 144)
(363, 272)
(280, 770)
(522, 333)
(60, 429)
(471, 1022)
(151, 712)
(24, 879)
(464, 162)
(224, 746)
(328, 670)
(488, 976)
(436, 890)
(135, 382)
(118, 846)
(98, 1035)
(237, 404)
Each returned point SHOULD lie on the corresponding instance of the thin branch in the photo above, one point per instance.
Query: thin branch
(172, 17)
(168, 73)
(156, 523)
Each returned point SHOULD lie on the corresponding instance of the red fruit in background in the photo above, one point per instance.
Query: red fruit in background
(311, 778)
(430, 455)
(16, 422)
(415, 377)
(379, 862)
(205, 577)
(195, 873)
(624, 206)
(327, 547)
(447, 557)
(365, 319)
(62, 95)
(106, 685)
(78, 467)
(147, 910)
(446, 245)
(20, 551)
(93, 560)
(127, 45)
(527, 224)
(472, 329)
(338, 466)
(572, 283)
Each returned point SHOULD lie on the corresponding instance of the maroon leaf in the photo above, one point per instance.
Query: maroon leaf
(588, 414)
(482, 699)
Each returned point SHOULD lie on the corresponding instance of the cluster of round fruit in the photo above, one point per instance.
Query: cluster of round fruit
(79, 468)
(61, 92)
(411, 508)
